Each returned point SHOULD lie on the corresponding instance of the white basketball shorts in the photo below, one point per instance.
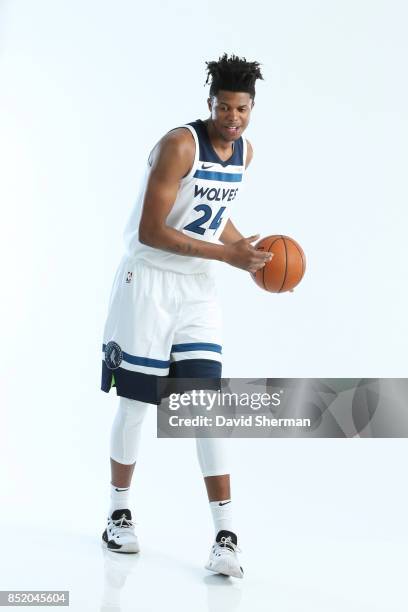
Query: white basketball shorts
(159, 324)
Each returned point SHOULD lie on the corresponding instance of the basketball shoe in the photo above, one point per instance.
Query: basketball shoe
(119, 535)
(223, 555)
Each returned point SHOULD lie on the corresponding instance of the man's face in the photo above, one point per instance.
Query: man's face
(230, 113)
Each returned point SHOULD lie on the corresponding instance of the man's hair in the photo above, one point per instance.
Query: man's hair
(233, 74)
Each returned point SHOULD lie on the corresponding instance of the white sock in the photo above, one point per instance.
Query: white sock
(119, 498)
(222, 515)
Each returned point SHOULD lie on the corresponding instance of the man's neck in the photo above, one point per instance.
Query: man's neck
(226, 148)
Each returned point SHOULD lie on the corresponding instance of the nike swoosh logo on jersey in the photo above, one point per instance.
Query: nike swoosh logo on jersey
(224, 503)
(205, 167)
(121, 489)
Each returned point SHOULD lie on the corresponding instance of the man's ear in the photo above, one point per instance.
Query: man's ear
(209, 103)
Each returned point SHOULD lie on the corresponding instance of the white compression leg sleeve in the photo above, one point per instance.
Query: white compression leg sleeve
(126, 429)
(212, 456)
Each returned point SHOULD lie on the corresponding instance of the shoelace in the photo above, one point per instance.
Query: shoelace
(226, 542)
(123, 522)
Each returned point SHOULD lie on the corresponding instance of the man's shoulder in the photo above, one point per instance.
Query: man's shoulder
(178, 141)
(180, 135)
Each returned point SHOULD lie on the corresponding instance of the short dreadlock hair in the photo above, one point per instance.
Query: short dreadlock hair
(233, 74)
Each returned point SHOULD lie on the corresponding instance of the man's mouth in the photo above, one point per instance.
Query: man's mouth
(232, 129)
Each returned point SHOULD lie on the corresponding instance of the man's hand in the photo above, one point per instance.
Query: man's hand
(242, 254)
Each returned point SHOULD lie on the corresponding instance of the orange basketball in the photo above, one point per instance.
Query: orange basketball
(286, 268)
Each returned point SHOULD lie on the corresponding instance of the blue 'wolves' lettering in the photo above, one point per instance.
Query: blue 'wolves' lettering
(215, 194)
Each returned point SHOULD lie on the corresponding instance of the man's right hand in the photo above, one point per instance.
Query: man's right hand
(242, 254)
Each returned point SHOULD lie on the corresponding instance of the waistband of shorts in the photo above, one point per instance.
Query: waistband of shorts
(135, 262)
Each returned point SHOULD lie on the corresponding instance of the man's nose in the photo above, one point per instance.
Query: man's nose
(233, 116)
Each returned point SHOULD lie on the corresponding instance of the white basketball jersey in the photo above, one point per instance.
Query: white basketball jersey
(202, 206)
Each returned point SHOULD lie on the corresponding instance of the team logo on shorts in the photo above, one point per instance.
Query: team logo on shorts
(113, 355)
(129, 277)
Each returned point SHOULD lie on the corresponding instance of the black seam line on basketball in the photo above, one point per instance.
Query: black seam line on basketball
(302, 257)
(286, 263)
(263, 269)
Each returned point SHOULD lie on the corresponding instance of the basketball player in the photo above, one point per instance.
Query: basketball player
(164, 318)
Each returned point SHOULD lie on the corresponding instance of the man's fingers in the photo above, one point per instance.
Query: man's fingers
(257, 266)
(252, 238)
(262, 256)
(258, 253)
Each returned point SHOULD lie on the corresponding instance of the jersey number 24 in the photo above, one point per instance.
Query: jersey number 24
(197, 225)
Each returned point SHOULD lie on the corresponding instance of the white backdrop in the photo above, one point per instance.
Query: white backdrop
(87, 87)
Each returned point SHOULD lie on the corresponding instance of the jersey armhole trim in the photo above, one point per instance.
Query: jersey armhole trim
(196, 154)
(244, 153)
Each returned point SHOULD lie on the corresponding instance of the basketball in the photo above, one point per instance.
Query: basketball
(286, 268)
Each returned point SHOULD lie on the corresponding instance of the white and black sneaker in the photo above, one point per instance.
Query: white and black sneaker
(119, 535)
(223, 555)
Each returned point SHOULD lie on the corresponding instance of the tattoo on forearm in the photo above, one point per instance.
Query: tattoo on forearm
(187, 249)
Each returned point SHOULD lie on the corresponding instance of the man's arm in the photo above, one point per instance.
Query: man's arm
(230, 233)
(171, 160)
